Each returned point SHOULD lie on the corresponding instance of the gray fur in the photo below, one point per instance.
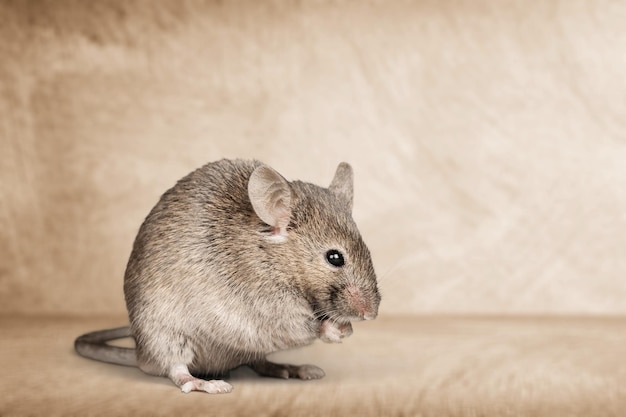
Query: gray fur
(207, 286)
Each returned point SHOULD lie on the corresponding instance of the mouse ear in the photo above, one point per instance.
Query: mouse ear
(342, 183)
(270, 196)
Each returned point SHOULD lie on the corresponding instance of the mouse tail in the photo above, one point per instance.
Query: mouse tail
(94, 345)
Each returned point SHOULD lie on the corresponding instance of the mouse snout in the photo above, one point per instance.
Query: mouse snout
(365, 307)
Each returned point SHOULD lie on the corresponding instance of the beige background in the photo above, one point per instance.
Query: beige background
(488, 139)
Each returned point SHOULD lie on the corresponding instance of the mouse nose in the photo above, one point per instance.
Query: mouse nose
(360, 303)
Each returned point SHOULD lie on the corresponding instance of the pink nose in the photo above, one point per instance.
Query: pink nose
(360, 303)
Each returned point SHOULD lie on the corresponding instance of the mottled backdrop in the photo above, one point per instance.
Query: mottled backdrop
(488, 139)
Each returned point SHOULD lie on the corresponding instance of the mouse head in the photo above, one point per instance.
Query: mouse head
(313, 227)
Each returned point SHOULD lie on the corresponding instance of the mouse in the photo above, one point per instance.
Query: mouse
(233, 263)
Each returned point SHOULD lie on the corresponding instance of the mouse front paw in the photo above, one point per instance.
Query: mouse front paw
(331, 332)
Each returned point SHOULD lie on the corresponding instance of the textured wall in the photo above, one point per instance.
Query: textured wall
(488, 139)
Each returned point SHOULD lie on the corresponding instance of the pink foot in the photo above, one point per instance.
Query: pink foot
(180, 375)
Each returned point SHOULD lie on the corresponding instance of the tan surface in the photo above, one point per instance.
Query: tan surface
(401, 367)
(488, 142)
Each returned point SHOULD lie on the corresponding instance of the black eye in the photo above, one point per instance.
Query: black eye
(335, 258)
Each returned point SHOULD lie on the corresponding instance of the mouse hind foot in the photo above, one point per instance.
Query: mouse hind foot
(179, 374)
(286, 371)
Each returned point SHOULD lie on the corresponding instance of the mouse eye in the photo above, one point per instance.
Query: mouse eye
(335, 258)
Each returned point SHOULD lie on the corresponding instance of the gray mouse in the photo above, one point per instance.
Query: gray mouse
(233, 263)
